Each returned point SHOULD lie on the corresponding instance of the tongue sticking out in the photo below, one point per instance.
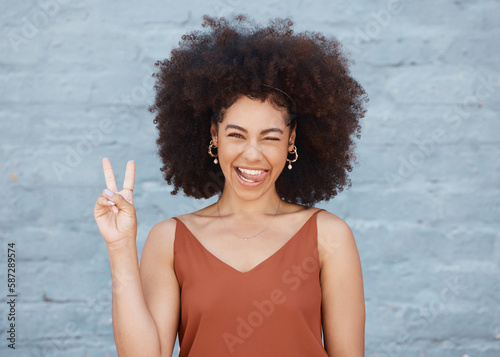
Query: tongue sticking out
(249, 177)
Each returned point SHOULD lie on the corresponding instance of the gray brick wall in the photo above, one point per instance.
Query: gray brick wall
(424, 205)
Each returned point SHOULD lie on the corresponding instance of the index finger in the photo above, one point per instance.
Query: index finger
(109, 177)
(129, 180)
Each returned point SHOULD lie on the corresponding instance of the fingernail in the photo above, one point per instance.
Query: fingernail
(111, 203)
(108, 192)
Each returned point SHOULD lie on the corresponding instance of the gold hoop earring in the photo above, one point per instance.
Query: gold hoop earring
(210, 151)
(294, 151)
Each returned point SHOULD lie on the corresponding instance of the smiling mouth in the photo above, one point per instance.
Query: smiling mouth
(251, 176)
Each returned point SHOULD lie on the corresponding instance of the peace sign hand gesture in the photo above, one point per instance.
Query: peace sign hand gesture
(115, 215)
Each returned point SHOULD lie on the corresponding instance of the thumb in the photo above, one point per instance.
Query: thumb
(120, 202)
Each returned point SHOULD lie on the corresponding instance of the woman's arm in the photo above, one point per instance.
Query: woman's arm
(145, 299)
(133, 326)
(160, 285)
(343, 304)
(114, 212)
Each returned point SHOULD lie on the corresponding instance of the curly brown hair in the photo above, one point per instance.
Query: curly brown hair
(211, 69)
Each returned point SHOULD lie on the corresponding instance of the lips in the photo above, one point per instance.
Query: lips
(251, 175)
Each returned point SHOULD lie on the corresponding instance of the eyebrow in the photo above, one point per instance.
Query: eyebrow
(265, 131)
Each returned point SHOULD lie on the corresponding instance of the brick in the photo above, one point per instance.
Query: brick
(431, 72)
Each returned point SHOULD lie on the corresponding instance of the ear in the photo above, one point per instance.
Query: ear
(292, 137)
(213, 132)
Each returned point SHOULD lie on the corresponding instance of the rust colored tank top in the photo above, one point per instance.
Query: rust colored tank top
(272, 310)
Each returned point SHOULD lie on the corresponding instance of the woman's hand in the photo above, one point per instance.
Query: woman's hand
(115, 215)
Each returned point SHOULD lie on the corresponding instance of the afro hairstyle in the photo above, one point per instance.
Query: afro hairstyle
(306, 73)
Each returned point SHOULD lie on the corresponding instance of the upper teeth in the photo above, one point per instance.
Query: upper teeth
(251, 172)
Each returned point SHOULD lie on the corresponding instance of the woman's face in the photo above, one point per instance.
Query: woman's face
(252, 145)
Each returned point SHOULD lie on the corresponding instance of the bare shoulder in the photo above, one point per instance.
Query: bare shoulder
(164, 230)
(199, 219)
(335, 237)
(162, 235)
(167, 226)
(160, 241)
(331, 225)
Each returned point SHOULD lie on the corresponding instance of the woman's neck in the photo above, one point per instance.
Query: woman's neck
(231, 204)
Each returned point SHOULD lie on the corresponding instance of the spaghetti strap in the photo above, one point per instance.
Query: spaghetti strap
(187, 233)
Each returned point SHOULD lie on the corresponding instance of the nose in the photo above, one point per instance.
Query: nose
(252, 152)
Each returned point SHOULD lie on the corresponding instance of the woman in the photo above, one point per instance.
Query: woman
(265, 118)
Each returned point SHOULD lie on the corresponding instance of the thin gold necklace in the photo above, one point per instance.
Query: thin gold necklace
(236, 234)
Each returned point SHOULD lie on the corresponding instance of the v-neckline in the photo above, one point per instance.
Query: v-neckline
(288, 242)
